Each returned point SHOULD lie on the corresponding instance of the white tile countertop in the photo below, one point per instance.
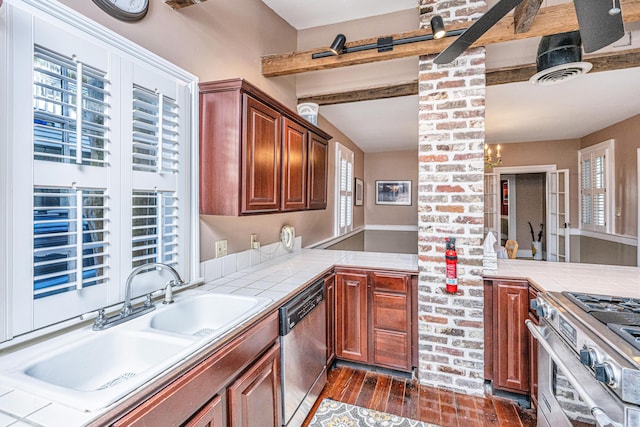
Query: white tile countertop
(557, 276)
(281, 276)
(277, 278)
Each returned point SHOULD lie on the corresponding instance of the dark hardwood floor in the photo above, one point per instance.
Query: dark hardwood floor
(405, 397)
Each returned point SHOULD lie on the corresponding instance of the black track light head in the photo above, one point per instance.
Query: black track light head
(337, 47)
(437, 27)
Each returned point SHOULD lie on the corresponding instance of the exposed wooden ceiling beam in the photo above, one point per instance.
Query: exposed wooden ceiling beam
(601, 62)
(369, 94)
(549, 20)
(524, 14)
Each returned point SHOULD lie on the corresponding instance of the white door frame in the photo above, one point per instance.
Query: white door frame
(638, 223)
(527, 169)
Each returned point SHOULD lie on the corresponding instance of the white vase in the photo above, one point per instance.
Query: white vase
(536, 250)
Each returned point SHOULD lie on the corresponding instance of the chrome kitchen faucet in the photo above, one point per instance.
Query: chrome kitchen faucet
(127, 312)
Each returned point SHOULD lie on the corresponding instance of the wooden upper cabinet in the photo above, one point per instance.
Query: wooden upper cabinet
(260, 179)
(294, 166)
(256, 155)
(318, 171)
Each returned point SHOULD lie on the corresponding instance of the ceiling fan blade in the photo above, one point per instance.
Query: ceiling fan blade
(598, 28)
(476, 30)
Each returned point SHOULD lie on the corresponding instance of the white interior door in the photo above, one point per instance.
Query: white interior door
(492, 204)
(558, 216)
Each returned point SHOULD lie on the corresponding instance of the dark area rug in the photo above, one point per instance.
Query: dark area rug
(336, 414)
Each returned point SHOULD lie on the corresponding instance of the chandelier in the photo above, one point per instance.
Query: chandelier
(489, 161)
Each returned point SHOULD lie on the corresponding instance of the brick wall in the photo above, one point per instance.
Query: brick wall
(450, 203)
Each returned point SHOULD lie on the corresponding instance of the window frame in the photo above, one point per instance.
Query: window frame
(17, 17)
(345, 153)
(605, 149)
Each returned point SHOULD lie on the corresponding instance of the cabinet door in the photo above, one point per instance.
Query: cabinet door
(211, 415)
(351, 313)
(318, 169)
(391, 320)
(254, 398)
(294, 166)
(261, 158)
(511, 337)
(330, 289)
(533, 352)
(533, 365)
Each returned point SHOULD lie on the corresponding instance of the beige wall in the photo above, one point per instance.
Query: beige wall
(392, 165)
(225, 39)
(627, 141)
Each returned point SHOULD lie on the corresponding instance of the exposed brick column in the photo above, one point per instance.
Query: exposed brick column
(450, 203)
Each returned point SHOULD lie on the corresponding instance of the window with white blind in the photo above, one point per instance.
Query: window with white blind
(344, 190)
(596, 187)
(99, 142)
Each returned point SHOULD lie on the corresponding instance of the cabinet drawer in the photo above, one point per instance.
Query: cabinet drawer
(390, 311)
(391, 282)
(391, 349)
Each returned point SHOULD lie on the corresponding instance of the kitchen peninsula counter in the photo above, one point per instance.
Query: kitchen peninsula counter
(573, 277)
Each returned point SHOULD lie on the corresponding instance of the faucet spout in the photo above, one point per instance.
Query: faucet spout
(177, 281)
(127, 311)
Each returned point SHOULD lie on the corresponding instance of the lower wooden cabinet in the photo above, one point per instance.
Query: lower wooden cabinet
(374, 318)
(330, 292)
(508, 343)
(239, 385)
(351, 317)
(254, 398)
(212, 415)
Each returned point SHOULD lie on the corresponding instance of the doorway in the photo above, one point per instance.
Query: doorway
(524, 211)
(517, 196)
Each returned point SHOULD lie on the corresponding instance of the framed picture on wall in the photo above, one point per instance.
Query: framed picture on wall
(358, 198)
(393, 193)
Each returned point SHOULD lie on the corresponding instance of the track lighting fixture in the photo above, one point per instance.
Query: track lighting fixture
(437, 27)
(385, 44)
(337, 47)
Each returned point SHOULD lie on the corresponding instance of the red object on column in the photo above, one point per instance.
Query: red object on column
(451, 266)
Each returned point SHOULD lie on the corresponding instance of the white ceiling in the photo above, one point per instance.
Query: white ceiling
(515, 112)
(302, 14)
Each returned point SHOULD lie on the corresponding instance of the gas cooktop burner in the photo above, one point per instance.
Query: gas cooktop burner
(621, 315)
(593, 302)
(629, 333)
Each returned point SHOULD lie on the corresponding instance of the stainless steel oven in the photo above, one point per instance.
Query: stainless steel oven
(585, 377)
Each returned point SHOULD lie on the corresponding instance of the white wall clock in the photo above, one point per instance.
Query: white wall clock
(125, 10)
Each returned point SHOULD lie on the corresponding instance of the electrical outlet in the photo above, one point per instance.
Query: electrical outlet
(221, 248)
(254, 241)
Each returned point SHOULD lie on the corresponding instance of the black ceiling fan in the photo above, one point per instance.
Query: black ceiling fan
(600, 23)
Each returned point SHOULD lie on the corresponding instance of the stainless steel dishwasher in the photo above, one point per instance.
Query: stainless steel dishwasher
(303, 341)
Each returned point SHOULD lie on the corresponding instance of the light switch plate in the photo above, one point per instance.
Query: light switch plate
(221, 248)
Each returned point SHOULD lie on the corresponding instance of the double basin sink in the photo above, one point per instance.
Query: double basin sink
(90, 370)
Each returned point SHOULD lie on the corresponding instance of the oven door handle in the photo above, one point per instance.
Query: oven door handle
(598, 413)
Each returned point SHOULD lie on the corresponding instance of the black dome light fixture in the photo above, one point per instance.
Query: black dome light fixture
(559, 59)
